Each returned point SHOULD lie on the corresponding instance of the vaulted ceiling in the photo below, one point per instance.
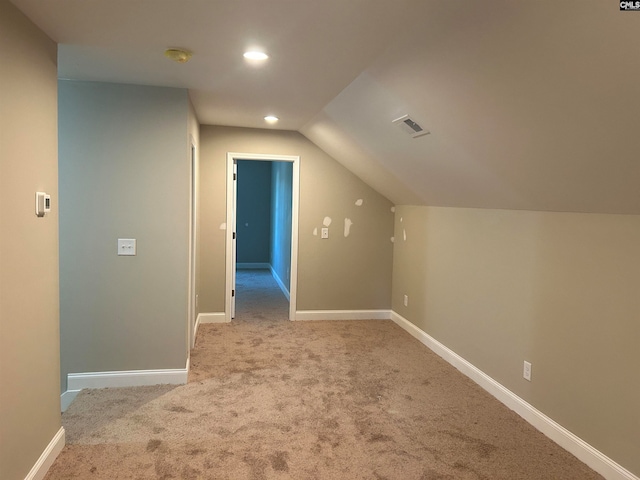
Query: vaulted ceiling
(530, 104)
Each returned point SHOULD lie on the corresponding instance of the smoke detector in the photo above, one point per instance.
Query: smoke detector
(410, 126)
(179, 55)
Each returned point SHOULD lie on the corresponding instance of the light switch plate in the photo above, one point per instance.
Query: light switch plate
(126, 246)
(324, 233)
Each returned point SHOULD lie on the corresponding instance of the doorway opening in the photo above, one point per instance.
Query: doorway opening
(280, 237)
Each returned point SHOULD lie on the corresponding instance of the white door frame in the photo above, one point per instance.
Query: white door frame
(192, 301)
(232, 158)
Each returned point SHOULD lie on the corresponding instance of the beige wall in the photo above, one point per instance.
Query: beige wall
(124, 173)
(557, 289)
(29, 326)
(341, 273)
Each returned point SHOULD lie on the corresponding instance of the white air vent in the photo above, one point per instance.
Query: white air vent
(410, 126)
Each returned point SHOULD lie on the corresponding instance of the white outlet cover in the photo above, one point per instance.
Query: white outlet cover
(526, 372)
(126, 246)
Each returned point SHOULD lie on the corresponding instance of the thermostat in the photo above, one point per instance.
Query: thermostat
(43, 203)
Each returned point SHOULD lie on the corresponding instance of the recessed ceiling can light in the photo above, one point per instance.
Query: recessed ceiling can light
(179, 55)
(271, 119)
(255, 55)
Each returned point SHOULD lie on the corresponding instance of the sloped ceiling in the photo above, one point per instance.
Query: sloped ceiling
(530, 104)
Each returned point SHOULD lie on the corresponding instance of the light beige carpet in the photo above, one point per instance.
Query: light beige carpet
(272, 399)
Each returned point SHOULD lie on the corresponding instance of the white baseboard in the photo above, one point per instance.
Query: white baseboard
(343, 315)
(253, 266)
(217, 317)
(280, 283)
(41, 467)
(131, 378)
(66, 398)
(556, 432)
(128, 378)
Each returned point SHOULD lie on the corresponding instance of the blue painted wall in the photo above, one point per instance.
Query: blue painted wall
(253, 223)
(281, 188)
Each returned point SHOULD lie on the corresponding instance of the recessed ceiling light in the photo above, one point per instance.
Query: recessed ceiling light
(271, 119)
(255, 55)
(179, 55)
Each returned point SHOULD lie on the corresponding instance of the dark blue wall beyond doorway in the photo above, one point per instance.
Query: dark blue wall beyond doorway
(281, 217)
(253, 222)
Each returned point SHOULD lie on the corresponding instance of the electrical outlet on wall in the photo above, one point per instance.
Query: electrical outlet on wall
(526, 372)
(406, 300)
(126, 246)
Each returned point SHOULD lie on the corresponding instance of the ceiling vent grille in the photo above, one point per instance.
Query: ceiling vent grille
(410, 126)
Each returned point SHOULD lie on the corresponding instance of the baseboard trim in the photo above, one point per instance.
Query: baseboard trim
(48, 456)
(280, 283)
(66, 398)
(217, 317)
(130, 378)
(253, 266)
(556, 432)
(343, 315)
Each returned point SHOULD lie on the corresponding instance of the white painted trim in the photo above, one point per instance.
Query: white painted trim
(253, 266)
(66, 398)
(343, 315)
(556, 432)
(130, 378)
(48, 456)
(135, 378)
(195, 331)
(295, 208)
(217, 317)
(280, 283)
(193, 237)
(295, 212)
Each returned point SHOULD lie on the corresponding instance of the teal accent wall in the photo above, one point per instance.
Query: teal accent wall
(253, 222)
(281, 188)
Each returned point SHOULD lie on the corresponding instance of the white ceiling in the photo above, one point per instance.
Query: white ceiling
(531, 104)
(316, 47)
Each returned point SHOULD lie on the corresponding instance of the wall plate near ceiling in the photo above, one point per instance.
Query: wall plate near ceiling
(410, 126)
